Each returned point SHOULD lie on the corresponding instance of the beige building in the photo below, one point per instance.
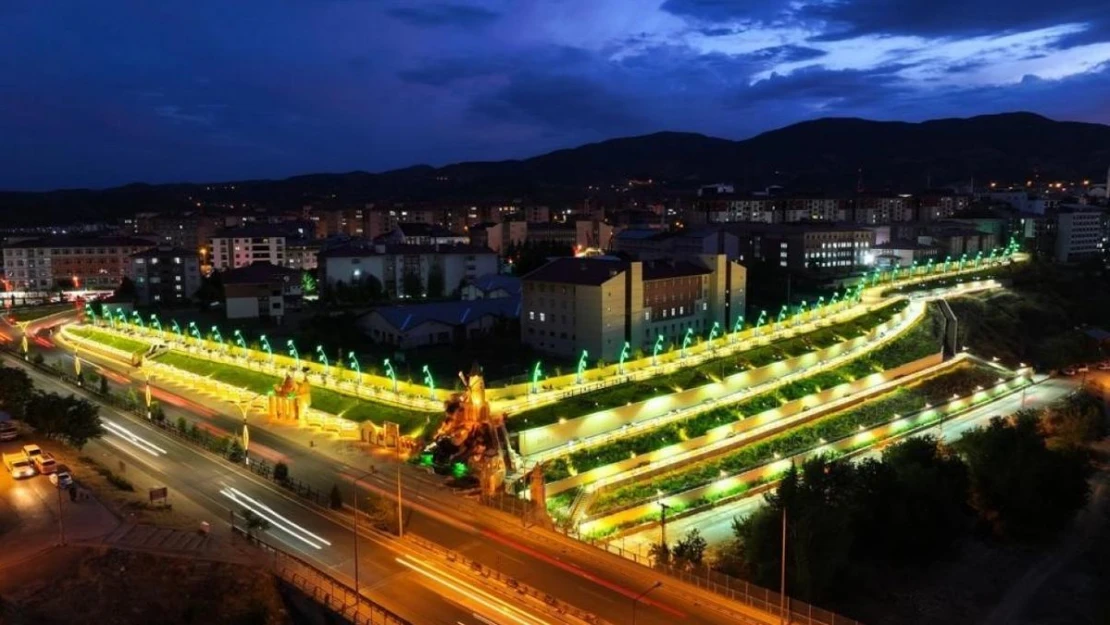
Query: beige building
(596, 304)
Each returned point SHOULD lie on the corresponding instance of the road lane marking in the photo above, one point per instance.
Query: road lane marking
(277, 520)
(132, 438)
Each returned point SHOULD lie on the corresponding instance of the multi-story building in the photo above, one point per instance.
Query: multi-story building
(829, 248)
(593, 234)
(70, 262)
(1078, 232)
(397, 266)
(419, 233)
(261, 290)
(552, 233)
(232, 248)
(595, 305)
(164, 275)
(302, 253)
(500, 235)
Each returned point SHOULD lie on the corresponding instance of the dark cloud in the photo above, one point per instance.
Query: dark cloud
(561, 103)
(788, 54)
(726, 10)
(443, 14)
(827, 88)
(945, 18)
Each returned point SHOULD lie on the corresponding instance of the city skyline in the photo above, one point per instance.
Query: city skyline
(207, 92)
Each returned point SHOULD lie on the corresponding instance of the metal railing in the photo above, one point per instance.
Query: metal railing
(325, 589)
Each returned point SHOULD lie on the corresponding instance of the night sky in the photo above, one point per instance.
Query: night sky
(104, 93)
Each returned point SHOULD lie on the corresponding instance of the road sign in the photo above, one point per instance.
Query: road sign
(159, 494)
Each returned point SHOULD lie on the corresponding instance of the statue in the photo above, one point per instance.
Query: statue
(470, 435)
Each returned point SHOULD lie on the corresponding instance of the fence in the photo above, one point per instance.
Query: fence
(325, 589)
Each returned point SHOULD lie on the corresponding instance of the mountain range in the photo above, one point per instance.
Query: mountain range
(829, 154)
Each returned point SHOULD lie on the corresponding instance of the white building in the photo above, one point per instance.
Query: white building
(253, 243)
(261, 290)
(447, 267)
(1079, 233)
(438, 323)
(164, 275)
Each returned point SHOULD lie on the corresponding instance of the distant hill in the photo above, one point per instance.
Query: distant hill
(829, 154)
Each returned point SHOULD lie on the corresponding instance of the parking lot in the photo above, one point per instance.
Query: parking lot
(30, 510)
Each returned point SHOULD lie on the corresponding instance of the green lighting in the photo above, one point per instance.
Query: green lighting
(459, 470)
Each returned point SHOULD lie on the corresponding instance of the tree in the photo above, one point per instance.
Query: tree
(819, 540)
(103, 385)
(182, 425)
(234, 450)
(255, 523)
(15, 391)
(308, 283)
(1075, 421)
(125, 290)
(335, 498)
(436, 281)
(157, 412)
(690, 550)
(211, 290)
(281, 472)
(381, 512)
(70, 419)
(411, 285)
(1021, 488)
(912, 505)
(660, 554)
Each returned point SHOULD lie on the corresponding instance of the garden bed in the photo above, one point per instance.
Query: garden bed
(700, 375)
(324, 400)
(919, 341)
(111, 340)
(961, 381)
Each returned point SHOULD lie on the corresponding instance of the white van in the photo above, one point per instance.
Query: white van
(45, 463)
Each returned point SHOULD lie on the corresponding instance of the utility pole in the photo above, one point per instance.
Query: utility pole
(782, 573)
(61, 524)
(357, 541)
(640, 596)
(663, 525)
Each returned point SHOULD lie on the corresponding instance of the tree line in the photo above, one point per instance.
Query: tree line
(67, 418)
(1019, 479)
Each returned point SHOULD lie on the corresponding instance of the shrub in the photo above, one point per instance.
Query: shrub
(281, 472)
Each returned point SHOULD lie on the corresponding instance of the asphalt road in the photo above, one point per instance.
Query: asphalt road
(716, 525)
(584, 581)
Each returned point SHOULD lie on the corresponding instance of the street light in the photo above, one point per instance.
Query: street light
(655, 350)
(293, 352)
(581, 374)
(265, 342)
(353, 363)
(624, 355)
(323, 358)
(536, 373)
(391, 373)
(430, 382)
(640, 596)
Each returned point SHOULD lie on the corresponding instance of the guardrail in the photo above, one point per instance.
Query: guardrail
(323, 588)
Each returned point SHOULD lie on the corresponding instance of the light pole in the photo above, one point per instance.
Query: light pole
(686, 341)
(655, 350)
(640, 596)
(358, 493)
(624, 355)
(782, 573)
(581, 375)
(663, 525)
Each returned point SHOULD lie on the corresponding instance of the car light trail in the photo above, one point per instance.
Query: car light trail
(133, 438)
(275, 519)
(467, 590)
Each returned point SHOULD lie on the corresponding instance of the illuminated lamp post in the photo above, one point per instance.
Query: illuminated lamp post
(781, 317)
(155, 323)
(686, 340)
(963, 261)
(391, 373)
(430, 382)
(624, 356)
(581, 373)
(801, 314)
(265, 342)
(894, 274)
(947, 263)
(137, 319)
(737, 328)
(655, 350)
(89, 314)
(121, 316)
(176, 328)
(759, 322)
(323, 359)
(293, 352)
(195, 331)
(712, 333)
(929, 266)
(352, 362)
(216, 336)
(240, 341)
(537, 372)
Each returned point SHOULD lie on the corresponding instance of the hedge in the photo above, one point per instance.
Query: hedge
(918, 342)
(939, 389)
(111, 340)
(692, 377)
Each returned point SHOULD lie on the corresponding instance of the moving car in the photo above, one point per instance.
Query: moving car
(19, 466)
(61, 477)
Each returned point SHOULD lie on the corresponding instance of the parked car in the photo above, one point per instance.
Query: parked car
(19, 466)
(8, 431)
(31, 451)
(45, 463)
(1104, 366)
(61, 477)
(1068, 371)
(1083, 369)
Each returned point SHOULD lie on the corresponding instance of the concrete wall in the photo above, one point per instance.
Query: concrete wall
(551, 436)
(768, 423)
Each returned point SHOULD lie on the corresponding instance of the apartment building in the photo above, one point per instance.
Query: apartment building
(70, 261)
(829, 248)
(571, 305)
(261, 291)
(232, 248)
(396, 266)
(164, 275)
(1080, 233)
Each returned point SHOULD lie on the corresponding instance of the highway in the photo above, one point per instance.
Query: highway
(715, 524)
(575, 573)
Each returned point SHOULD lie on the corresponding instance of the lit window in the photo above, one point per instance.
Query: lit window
(532, 314)
(543, 317)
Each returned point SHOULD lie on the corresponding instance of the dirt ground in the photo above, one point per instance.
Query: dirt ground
(116, 587)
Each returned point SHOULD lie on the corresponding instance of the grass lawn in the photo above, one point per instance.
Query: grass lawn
(329, 401)
(111, 340)
(692, 377)
(36, 312)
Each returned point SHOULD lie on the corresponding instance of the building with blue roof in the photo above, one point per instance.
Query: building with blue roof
(438, 323)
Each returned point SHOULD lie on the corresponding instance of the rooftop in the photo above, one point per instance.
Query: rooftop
(69, 240)
(407, 317)
(418, 229)
(584, 271)
(360, 248)
(495, 281)
(903, 244)
(165, 252)
(257, 273)
(662, 269)
(254, 231)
